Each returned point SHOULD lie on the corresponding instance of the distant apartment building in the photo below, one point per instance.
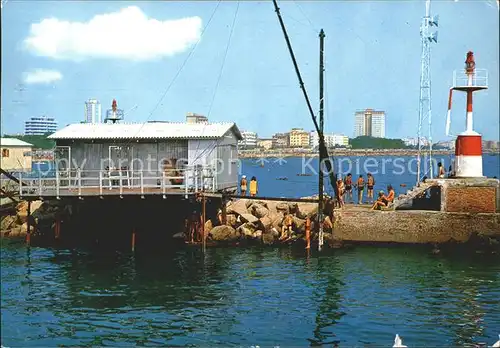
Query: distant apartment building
(93, 111)
(331, 140)
(265, 144)
(40, 125)
(369, 123)
(249, 140)
(414, 141)
(299, 138)
(192, 117)
(491, 145)
(280, 140)
(450, 145)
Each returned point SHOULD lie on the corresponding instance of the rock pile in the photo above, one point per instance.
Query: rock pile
(262, 221)
(42, 213)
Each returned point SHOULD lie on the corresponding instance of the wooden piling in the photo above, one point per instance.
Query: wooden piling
(28, 223)
(224, 210)
(203, 219)
(57, 228)
(133, 240)
(308, 233)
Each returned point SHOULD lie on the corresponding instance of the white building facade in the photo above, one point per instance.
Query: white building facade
(40, 125)
(93, 111)
(370, 123)
(331, 140)
(249, 140)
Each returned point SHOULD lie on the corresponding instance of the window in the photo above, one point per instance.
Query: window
(5, 152)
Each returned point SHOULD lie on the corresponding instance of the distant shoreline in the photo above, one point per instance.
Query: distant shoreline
(343, 152)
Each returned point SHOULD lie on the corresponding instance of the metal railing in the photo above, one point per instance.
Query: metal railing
(479, 78)
(101, 182)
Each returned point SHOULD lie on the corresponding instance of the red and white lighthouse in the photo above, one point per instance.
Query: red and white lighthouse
(468, 145)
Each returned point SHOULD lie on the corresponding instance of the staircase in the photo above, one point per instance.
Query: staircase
(405, 201)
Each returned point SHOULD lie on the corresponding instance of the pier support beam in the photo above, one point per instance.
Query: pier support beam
(203, 219)
(224, 210)
(57, 228)
(28, 223)
(133, 240)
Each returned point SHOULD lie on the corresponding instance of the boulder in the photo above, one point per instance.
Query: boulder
(7, 222)
(305, 210)
(247, 230)
(248, 203)
(237, 207)
(266, 223)
(269, 238)
(248, 218)
(24, 228)
(262, 203)
(224, 233)
(271, 206)
(299, 225)
(283, 207)
(278, 222)
(259, 211)
(257, 234)
(231, 220)
(292, 207)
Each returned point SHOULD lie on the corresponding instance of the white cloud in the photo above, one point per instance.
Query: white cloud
(126, 34)
(41, 76)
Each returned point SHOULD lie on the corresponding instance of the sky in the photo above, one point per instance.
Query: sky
(162, 59)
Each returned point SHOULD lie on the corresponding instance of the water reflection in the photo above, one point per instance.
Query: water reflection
(245, 297)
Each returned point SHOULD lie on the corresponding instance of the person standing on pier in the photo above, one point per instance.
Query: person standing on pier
(360, 185)
(348, 187)
(243, 185)
(369, 185)
(254, 190)
(441, 170)
(340, 190)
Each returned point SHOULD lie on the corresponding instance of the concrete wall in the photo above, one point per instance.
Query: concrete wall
(413, 226)
(478, 195)
(15, 159)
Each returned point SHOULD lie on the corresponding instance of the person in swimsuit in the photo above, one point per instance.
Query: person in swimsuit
(369, 185)
(360, 185)
(348, 187)
(243, 185)
(380, 202)
(341, 191)
(286, 229)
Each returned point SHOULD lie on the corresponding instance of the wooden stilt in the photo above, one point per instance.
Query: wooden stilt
(28, 222)
(203, 219)
(224, 211)
(57, 228)
(133, 240)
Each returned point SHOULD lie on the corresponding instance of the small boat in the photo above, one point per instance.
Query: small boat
(282, 178)
(304, 174)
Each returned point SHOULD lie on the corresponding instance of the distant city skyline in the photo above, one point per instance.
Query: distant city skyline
(54, 58)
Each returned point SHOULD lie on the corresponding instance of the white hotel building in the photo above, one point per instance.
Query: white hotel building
(331, 140)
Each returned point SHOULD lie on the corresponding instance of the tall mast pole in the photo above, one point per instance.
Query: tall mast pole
(427, 37)
(321, 137)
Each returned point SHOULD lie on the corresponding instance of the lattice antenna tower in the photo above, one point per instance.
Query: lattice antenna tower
(428, 35)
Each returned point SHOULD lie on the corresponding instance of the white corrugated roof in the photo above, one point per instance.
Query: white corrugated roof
(148, 130)
(14, 142)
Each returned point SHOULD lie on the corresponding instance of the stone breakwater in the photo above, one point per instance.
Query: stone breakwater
(261, 222)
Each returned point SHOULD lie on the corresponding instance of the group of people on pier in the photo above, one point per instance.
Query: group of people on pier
(346, 185)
